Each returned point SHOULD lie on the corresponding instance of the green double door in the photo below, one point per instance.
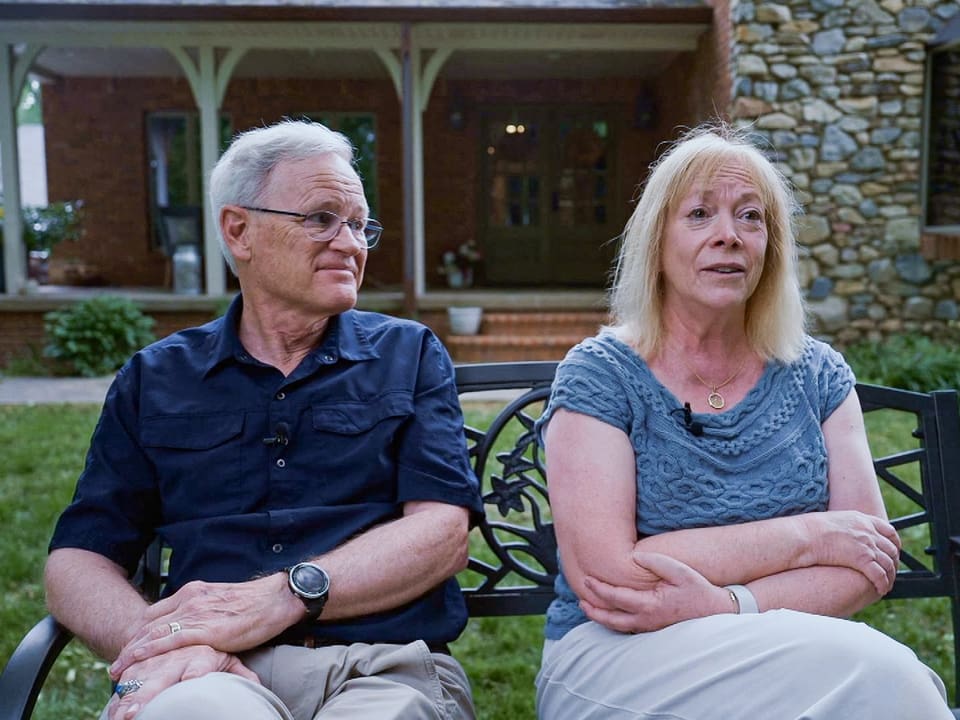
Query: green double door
(550, 211)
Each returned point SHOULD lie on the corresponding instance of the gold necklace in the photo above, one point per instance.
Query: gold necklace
(715, 399)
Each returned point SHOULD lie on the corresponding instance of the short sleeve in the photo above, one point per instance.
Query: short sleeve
(835, 379)
(590, 381)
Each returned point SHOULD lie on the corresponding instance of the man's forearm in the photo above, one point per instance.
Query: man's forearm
(395, 563)
(92, 597)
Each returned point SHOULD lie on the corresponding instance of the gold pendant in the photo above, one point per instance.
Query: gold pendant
(716, 400)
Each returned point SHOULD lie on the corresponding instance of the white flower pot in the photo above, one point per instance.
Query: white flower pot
(465, 320)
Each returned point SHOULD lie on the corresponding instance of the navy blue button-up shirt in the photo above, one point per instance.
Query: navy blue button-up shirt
(243, 471)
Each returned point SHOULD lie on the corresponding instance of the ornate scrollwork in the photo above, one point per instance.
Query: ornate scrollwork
(508, 460)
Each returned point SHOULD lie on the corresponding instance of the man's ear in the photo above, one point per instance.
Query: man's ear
(236, 231)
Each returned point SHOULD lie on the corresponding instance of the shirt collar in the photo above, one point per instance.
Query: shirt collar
(344, 337)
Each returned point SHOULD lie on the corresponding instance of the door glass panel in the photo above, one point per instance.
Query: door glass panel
(513, 156)
(582, 172)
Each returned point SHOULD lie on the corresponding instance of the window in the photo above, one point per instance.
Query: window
(941, 171)
(173, 146)
(361, 129)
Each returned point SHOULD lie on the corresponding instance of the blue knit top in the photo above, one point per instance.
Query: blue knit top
(764, 457)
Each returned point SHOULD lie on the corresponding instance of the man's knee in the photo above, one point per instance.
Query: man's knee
(217, 696)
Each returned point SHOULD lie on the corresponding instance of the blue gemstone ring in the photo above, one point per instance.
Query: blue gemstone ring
(127, 686)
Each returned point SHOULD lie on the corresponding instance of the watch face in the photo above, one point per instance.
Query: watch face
(310, 581)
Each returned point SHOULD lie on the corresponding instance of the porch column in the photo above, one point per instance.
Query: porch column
(207, 101)
(14, 254)
(208, 90)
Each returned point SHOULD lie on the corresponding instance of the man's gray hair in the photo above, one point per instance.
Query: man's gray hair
(241, 175)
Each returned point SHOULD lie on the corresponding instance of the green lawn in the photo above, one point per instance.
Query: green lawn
(44, 448)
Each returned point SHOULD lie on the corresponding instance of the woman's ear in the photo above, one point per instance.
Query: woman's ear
(236, 231)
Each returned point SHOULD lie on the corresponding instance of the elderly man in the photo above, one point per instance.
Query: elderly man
(304, 461)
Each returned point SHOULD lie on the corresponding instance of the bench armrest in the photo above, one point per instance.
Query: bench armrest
(27, 668)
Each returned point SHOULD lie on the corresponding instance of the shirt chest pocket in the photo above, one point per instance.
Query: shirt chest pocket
(198, 461)
(356, 444)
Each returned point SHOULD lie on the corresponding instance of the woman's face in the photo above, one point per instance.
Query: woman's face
(714, 243)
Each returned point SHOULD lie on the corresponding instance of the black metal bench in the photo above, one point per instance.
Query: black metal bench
(511, 571)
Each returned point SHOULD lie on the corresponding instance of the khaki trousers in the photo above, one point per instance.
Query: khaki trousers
(375, 682)
(776, 665)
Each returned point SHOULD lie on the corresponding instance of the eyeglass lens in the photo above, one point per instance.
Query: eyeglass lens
(324, 225)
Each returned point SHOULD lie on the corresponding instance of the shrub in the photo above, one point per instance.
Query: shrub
(97, 336)
(913, 362)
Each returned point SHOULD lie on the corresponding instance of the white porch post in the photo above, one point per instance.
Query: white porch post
(208, 102)
(208, 92)
(14, 254)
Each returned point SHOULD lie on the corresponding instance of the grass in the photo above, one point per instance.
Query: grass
(44, 447)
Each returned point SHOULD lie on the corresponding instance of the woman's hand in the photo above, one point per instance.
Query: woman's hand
(862, 542)
(672, 592)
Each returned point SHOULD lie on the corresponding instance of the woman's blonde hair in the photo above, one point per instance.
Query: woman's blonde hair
(775, 314)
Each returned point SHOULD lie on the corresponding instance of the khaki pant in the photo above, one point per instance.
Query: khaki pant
(375, 682)
(777, 665)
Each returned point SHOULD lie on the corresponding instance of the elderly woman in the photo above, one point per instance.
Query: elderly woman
(715, 504)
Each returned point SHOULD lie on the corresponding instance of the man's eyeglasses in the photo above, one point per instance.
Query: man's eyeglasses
(323, 225)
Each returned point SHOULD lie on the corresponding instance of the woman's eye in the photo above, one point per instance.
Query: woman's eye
(698, 213)
(752, 216)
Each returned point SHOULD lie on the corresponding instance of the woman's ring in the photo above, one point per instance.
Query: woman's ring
(126, 687)
(175, 627)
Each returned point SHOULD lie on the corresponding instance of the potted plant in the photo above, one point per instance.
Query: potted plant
(44, 228)
(458, 265)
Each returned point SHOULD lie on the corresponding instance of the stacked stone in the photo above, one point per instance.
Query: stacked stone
(835, 88)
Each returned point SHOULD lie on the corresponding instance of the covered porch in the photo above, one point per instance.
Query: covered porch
(519, 133)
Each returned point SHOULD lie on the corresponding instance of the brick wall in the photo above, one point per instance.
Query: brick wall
(95, 130)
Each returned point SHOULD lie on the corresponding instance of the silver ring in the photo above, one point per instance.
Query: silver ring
(175, 627)
(127, 686)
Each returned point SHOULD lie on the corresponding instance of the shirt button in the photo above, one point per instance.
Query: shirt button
(329, 358)
(277, 548)
(281, 395)
(281, 463)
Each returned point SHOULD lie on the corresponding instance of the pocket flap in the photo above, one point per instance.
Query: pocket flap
(354, 416)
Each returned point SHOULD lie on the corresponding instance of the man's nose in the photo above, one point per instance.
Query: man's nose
(346, 242)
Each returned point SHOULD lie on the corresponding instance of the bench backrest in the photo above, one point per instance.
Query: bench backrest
(517, 566)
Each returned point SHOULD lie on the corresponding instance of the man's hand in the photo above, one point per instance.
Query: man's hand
(847, 538)
(162, 671)
(229, 617)
(674, 592)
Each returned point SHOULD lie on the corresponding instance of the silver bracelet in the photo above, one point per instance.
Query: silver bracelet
(743, 599)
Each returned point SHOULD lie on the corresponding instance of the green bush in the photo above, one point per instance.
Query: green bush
(97, 336)
(913, 362)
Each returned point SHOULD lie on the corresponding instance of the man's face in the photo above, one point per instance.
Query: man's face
(286, 265)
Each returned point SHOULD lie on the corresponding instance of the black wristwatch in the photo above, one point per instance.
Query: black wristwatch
(311, 584)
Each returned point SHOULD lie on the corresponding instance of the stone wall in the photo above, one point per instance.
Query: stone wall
(836, 88)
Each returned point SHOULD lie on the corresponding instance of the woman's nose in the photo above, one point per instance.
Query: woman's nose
(726, 230)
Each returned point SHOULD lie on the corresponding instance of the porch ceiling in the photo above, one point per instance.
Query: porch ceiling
(56, 62)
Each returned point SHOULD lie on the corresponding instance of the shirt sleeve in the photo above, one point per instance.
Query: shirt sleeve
(589, 381)
(433, 460)
(115, 505)
(835, 380)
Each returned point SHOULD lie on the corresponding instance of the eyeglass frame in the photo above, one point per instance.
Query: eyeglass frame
(368, 224)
